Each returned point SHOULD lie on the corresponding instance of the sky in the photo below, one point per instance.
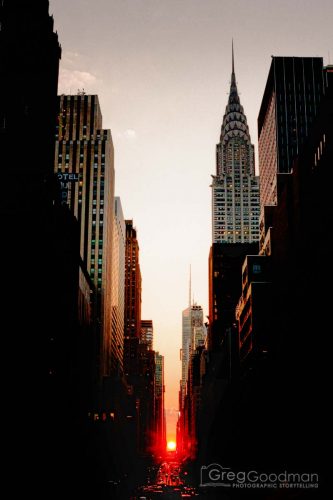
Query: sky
(161, 69)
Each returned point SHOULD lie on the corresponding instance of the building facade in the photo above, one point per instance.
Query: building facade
(193, 334)
(118, 288)
(291, 100)
(198, 329)
(132, 315)
(147, 333)
(235, 187)
(185, 351)
(84, 162)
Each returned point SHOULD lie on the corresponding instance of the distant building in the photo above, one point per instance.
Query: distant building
(147, 333)
(193, 333)
(132, 315)
(235, 187)
(185, 352)
(160, 427)
(198, 329)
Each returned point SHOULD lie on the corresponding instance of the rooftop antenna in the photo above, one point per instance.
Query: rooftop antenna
(233, 76)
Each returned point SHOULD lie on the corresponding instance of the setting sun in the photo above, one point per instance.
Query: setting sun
(171, 445)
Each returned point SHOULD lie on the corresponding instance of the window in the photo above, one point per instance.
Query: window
(256, 268)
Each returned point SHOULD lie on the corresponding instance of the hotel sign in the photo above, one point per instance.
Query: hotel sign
(65, 178)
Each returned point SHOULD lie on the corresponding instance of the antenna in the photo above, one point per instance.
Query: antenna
(233, 77)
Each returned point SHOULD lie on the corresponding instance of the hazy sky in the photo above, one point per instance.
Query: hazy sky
(162, 70)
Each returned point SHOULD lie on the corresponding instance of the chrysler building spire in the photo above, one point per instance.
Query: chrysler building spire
(235, 186)
(234, 121)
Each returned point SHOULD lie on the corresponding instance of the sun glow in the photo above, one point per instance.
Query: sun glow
(171, 445)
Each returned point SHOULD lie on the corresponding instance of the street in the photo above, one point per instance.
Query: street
(166, 480)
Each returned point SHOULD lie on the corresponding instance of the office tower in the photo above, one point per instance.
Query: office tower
(132, 316)
(291, 100)
(118, 287)
(159, 402)
(193, 331)
(84, 164)
(235, 188)
(193, 338)
(147, 333)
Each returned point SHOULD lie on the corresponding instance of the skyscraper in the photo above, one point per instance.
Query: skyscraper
(235, 188)
(84, 164)
(185, 352)
(193, 333)
(118, 287)
(132, 316)
(147, 333)
(290, 103)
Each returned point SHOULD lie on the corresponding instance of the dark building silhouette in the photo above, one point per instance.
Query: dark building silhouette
(48, 292)
(30, 54)
(254, 309)
(145, 397)
(225, 282)
(193, 403)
